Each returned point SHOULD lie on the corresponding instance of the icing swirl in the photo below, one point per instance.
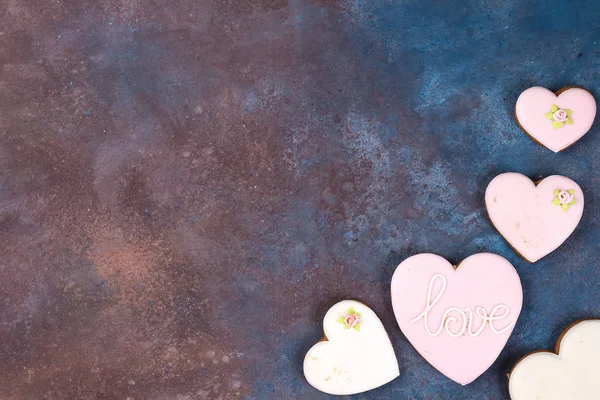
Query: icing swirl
(466, 315)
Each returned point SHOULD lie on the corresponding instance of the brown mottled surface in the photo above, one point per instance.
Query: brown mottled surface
(124, 162)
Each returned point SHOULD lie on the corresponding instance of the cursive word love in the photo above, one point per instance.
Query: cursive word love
(499, 312)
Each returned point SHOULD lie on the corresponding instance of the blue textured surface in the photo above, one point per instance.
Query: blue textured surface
(433, 119)
(188, 186)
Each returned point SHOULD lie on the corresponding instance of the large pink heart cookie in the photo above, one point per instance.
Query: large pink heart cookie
(534, 219)
(555, 120)
(458, 319)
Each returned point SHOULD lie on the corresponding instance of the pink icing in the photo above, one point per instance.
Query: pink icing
(351, 320)
(484, 286)
(524, 213)
(534, 103)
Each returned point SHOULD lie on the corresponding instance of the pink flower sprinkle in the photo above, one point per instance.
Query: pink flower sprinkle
(351, 320)
(560, 115)
(565, 197)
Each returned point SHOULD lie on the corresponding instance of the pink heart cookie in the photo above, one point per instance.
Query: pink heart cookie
(458, 319)
(534, 219)
(556, 120)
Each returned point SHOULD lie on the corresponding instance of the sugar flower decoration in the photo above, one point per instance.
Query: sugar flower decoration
(564, 198)
(559, 117)
(351, 320)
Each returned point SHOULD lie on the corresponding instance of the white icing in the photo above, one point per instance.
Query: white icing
(573, 374)
(466, 315)
(491, 319)
(478, 311)
(351, 361)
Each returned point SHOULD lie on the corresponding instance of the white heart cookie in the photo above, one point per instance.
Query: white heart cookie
(534, 219)
(556, 121)
(573, 373)
(355, 356)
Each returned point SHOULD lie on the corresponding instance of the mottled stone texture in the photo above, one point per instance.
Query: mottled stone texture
(186, 186)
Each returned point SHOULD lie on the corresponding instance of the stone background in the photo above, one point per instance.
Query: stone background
(187, 186)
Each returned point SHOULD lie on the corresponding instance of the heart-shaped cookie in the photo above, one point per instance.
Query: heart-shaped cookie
(573, 373)
(356, 354)
(458, 319)
(555, 120)
(534, 219)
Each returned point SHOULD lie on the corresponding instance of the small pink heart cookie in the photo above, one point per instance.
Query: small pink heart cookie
(556, 120)
(535, 219)
(458, 319)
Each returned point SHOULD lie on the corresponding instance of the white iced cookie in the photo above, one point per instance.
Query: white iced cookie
(570, 374)
(355, 356)
(535, 219)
